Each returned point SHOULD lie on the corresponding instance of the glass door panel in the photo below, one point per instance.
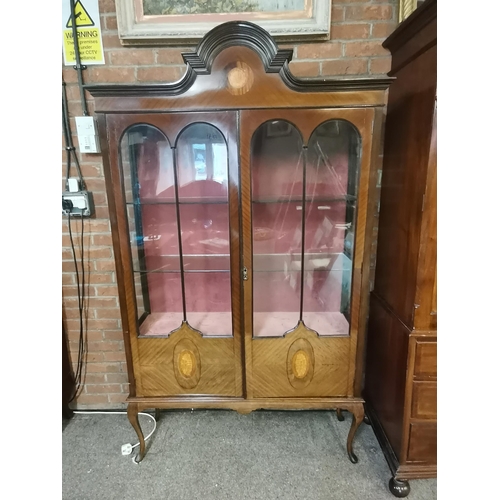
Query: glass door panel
(175, 186)
(148, 175)
(202, 179)
(178, 216)
(330, 206)
(277, 170)
(303, 213)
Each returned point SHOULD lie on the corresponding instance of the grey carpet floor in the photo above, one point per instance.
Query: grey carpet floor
(221, 455)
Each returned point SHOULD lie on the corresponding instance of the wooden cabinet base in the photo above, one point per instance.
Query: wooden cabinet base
(401, 473)
(245, 406)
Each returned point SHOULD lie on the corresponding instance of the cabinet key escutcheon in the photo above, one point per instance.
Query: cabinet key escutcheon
(245, 274)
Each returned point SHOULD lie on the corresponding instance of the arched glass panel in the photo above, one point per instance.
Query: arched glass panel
(147, 169)
(277, 171)
(332, 171)
(202, 177)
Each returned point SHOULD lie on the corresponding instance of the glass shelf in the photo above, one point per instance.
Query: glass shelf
(184, 201)
(185, 271)
(298, 199)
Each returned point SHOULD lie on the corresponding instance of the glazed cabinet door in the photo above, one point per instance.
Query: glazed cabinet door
(305, 180)
(173, 187)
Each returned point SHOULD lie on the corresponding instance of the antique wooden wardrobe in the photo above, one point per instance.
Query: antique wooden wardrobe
(241, 202)
(401, 359)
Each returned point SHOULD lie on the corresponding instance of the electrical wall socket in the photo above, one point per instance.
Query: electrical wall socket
(81, 203)
(88, 138)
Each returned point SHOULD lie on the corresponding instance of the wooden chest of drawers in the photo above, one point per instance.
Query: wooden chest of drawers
(401, 395)
(421, 406)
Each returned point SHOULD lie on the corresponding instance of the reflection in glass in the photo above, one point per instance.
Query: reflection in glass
(147, 169)
(202, 169)
(303, 233)
(187, 279)
(156, 247)
(331, 191)
(202, 176)
(147, 165)
(277, 170)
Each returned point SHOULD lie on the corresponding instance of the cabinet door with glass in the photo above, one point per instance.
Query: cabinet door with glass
(305, 191)
(176, 177)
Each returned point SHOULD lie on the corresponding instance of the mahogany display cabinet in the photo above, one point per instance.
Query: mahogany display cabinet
(241, 201)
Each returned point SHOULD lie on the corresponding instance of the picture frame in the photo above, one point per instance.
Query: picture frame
(406, 7)
(174, 22)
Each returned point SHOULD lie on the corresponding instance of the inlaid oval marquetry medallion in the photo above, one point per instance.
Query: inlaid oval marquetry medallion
(187, 363)
(187, 366)
(239, 78)
(300, 361)
(300, 364)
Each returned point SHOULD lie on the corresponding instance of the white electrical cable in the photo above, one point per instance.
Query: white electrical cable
(120, 413)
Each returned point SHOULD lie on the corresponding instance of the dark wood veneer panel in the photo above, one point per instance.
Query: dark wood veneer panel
(425, 360)
(424, 400)
(387, 345)
(406, 157)
(423, 443)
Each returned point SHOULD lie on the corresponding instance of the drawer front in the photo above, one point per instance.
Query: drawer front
(424, 400)
(425, 360)
(422, 446)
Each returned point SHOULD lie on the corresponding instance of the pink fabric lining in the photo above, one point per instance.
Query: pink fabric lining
(274, 324)
(278, 323)
(216, 324)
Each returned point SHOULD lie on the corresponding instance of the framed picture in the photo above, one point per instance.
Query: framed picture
(143, 22)
(406, 7)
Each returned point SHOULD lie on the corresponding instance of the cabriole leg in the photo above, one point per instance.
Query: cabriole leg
(340, 417)
(132, 413)
(358, 413)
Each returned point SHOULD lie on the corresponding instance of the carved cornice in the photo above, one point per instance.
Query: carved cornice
(246, 34)
(241, 33)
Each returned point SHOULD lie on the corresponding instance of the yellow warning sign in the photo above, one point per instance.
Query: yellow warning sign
(82, 17)
(88, 32)
(89, 45)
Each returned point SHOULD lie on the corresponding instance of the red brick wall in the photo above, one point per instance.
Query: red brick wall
(358, 29)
